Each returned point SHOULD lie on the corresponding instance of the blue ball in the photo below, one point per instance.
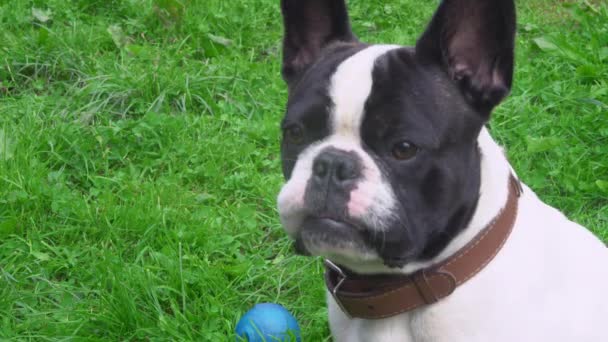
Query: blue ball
(267, 322)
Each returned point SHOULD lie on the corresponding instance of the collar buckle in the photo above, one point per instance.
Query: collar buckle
(341, 277)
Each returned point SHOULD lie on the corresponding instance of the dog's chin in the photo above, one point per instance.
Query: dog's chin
(332, 239)
(345, 244)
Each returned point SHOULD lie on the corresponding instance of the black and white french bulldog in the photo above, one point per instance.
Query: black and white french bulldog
(390, 169)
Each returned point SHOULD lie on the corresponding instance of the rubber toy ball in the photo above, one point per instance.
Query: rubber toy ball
(268, 322)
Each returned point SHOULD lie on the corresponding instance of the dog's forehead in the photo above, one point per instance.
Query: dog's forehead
(338, 86)
(350, 87)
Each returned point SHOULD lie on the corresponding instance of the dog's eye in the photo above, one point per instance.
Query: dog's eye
(294, 134)
(404, 150)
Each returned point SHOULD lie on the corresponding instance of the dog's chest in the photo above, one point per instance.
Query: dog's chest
(422, 326)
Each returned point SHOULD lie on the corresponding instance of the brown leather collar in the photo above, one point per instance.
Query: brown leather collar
(381, 296)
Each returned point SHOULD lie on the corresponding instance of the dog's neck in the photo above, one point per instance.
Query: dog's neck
(493, 192)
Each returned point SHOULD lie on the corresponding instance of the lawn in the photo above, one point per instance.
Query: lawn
(139, 160)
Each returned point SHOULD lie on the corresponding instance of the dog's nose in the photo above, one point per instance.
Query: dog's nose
(337, 167)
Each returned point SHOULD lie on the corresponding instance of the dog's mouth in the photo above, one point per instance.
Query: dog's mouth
(328, 236)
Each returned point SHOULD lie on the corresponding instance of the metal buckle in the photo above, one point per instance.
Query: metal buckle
(341, 278)
(516, 184)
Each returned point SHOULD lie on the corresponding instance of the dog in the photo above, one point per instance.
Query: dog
(392, 176)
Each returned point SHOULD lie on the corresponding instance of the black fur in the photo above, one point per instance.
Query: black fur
(310, 26)
(413, 101)
(473, 41)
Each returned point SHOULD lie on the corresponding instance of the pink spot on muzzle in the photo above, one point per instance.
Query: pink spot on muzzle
(361, 199)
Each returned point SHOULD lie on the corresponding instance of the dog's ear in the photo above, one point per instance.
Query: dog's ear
(473, 41)
(311, 25)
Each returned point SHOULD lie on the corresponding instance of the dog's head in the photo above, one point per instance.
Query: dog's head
(379, 144)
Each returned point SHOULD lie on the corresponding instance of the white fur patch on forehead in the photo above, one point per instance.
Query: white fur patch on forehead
(350, 87)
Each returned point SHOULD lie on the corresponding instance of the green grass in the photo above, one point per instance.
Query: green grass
(139, 157)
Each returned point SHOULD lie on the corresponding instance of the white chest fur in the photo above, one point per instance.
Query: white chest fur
(548, 283)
